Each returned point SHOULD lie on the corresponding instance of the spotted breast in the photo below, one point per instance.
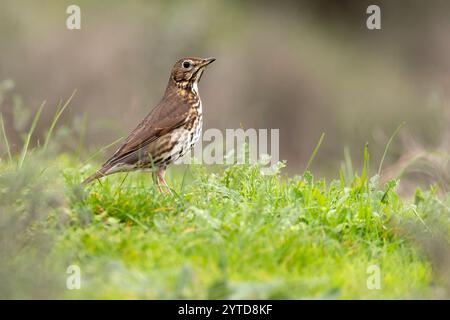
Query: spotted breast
(183, 139)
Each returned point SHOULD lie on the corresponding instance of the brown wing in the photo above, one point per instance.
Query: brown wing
(168, 115)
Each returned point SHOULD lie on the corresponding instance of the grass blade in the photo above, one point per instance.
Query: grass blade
(139, 223)
(365, 168)
(348, 164)
(183, 181)
(394, 134)
(316, 149)
(30, 133)
(8, 148)
(58, 114)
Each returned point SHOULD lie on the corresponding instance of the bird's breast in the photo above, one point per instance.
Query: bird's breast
(185, 137)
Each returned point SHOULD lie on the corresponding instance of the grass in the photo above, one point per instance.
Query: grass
(227, 233)
(239, 234)
(234, 234)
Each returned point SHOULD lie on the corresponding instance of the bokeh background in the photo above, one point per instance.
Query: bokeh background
(305, 67)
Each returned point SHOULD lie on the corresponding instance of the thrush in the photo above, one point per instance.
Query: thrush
(169, 131)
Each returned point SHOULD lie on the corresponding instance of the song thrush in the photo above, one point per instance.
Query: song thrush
(169, 131)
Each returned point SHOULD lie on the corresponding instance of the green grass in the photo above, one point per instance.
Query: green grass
(227, 232)
(240, 234)
(234, 233)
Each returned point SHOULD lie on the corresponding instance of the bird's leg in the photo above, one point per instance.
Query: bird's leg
(161, 181)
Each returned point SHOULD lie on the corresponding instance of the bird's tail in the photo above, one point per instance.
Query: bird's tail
(97, 175)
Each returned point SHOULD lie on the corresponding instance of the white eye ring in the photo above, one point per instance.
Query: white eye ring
(187, 64)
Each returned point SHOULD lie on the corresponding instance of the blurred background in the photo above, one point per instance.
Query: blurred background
(305, 67)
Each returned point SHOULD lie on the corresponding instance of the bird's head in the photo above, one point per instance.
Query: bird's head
(187, 71)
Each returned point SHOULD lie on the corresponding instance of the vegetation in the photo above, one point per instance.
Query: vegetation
(231, 232)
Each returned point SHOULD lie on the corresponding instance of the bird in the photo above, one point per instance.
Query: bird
(168, 132)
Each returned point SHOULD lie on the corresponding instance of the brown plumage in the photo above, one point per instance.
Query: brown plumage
(169, 131)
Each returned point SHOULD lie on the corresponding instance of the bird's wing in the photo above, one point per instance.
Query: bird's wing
(168, 115)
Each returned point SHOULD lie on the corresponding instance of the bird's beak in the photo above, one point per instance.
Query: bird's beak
(207, 61)
(201, 67)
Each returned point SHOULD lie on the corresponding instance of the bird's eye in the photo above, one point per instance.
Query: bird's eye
(186, 64)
